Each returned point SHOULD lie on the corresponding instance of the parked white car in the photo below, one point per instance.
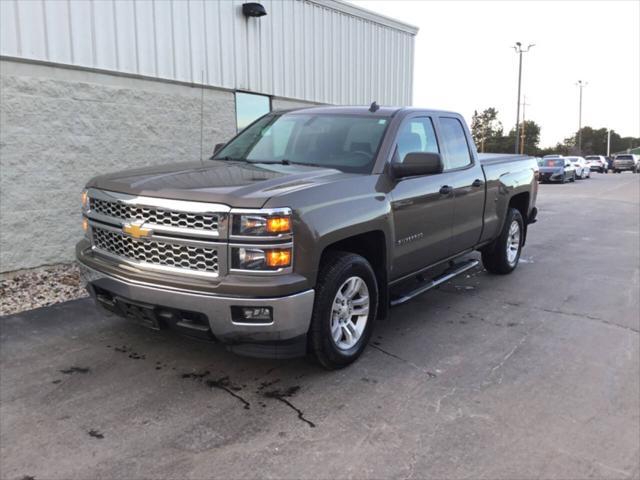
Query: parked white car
(597, 162)
(582, 169)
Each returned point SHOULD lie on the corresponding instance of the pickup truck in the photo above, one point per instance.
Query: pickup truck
(304, 229)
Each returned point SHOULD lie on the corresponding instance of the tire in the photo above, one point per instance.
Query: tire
(573, 178)
(495, 257)
(337, 271)
(564, 179)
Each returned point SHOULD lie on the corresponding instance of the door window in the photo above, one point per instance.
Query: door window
(416, 135)
(455, 144)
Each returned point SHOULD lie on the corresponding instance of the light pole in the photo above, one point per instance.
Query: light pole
(519, 50)
(523, 135)
(580, 85)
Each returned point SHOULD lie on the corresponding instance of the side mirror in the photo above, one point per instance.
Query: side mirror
(418, 163)
(218, 147)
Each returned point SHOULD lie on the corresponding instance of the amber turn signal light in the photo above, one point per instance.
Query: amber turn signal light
(278, 258)
(85, 224)
(279, 224)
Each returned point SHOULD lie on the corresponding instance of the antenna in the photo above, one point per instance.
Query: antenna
(201, 115)
(374, 107)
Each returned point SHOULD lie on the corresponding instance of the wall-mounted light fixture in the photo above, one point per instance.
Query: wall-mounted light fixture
(253, 9)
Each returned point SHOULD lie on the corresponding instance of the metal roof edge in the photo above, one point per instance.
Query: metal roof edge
(357, 11)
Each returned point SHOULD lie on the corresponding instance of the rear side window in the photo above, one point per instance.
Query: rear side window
(454, 142)
(416, 135)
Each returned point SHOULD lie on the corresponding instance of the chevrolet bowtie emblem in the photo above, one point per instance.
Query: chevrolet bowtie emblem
(136, 230)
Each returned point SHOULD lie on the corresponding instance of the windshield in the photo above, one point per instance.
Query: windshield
(345, 142)
(554, 163)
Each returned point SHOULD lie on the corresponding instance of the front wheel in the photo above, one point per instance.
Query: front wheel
(344, 310)
(502, 255)
(573, 178)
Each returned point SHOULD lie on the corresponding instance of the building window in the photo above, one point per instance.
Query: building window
(250, 107)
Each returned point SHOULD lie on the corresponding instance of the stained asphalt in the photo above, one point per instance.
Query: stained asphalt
(535, 374)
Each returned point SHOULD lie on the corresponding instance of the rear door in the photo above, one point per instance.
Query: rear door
(466, 178)
(422, 208)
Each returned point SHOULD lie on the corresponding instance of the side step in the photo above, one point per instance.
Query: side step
(454, 271)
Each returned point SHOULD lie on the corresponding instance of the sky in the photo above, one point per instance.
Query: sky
(464, 60)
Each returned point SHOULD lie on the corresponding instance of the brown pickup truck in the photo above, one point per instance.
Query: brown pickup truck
(300, 232)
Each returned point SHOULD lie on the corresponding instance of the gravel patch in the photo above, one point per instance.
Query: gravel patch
(39, 287)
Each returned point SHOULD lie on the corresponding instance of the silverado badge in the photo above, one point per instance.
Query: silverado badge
(136, 230)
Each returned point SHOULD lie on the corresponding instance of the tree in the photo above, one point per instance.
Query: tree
(594, 142)
(485, 126)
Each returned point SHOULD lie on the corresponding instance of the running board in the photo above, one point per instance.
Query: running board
(454, 271)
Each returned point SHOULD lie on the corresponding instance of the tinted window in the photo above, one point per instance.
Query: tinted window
(345, 142)
(454, 143)
(554, 163)
(624, 157)
(416, 135)
(250, 107)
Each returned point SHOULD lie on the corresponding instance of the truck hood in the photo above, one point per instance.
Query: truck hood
(238, 184)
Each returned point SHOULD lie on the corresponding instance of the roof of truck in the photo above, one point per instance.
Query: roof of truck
(382, 111)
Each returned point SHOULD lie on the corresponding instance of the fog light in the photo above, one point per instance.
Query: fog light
(252, 314)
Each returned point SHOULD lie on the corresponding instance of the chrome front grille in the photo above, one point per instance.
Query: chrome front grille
(155, 252)
(155, 216)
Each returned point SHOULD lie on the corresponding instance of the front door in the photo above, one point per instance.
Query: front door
(422, 207)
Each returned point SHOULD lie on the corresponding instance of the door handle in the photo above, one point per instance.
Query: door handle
(445, 190)
(477, 183)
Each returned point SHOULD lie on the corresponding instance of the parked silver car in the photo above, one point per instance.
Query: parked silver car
(626, 161)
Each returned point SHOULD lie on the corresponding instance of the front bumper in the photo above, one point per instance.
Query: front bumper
(291, 315)
(551, 177)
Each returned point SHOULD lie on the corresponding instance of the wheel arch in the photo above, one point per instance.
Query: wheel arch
(372, 246)
(521, 202)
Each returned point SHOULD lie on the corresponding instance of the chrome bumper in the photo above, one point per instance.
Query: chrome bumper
(291, 314)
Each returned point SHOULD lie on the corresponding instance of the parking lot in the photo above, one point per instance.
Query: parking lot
(536, 374)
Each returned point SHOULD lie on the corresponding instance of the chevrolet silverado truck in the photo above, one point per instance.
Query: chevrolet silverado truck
(304, 229)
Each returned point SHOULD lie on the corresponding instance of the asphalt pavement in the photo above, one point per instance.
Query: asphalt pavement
(534, 374)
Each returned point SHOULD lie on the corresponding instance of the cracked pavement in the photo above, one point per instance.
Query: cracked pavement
(536, 374)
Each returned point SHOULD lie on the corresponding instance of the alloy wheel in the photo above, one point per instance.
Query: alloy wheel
(349, 313)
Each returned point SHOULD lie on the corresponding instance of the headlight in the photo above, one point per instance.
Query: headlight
(266, 259)
(269, 224)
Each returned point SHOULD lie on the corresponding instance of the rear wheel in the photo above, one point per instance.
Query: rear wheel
(503, 254)
(344, 310)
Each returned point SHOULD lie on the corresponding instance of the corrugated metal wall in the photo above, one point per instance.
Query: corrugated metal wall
(310, 50)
